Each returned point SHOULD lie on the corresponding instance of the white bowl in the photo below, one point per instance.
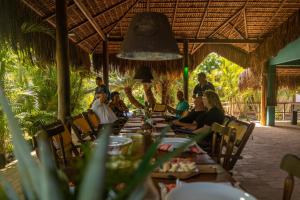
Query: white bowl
(118, 145)
(208, 191)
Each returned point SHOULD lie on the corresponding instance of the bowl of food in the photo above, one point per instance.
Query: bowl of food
(118, 145)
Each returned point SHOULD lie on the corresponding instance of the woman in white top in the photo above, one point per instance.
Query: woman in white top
(102, 110)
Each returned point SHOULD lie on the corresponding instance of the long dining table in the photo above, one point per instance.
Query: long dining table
(209, 170)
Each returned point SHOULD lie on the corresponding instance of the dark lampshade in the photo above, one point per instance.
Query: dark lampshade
(143, 74)
(149, 38)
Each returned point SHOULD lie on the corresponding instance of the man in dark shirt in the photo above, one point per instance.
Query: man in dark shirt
(194, 116)
(202, 85)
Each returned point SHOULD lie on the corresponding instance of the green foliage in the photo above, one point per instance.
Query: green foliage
(211, 62)
(33, 92)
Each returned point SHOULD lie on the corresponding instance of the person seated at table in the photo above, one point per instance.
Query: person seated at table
(215, 113)
(117, 105)
(194, 116)
(102, 110)
(182, 106)
(101, 87)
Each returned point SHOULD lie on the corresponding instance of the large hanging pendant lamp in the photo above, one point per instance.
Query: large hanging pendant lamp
(149, 38)
(143, 74)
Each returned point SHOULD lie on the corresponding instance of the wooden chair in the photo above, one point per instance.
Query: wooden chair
(60, 141)
(291, 164)
(82, 128)
(223, 138)
(159, 107)
(243, 132)
(93, 120)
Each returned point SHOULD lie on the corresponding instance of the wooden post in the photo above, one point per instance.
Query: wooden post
(105, 63)
(186, 69)
(271, 100)
(263, 97)
(63, 70)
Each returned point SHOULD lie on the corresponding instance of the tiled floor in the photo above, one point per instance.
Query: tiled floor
(259, 171)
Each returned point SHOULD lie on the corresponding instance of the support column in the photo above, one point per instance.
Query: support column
(62, 62)
(271, 98)
(263, 96)
(186, 69)
(105, 63)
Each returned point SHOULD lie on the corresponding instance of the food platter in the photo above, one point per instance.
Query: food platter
(181, 168)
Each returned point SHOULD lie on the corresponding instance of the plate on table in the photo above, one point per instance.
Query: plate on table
(157, 119)
(133, 124)
(170, 133)
(182, 168)
(176, 141)
(208, 191)
(171, 143)
(161, 125)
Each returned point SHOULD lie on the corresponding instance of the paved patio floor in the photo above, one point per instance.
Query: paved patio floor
(258, 171)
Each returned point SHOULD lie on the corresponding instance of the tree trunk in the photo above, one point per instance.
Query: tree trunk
(164, 91)
(132, 99)
(149, 94)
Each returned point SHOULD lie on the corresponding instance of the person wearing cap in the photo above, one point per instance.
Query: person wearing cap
(202, 86)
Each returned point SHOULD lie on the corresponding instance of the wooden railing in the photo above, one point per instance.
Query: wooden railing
(283, 110)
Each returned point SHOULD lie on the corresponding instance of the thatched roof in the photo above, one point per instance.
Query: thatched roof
(214, 21)
(26, 32)
(286, 77)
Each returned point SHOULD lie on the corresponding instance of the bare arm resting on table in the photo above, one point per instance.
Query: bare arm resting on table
(203, 130)
(191, 126)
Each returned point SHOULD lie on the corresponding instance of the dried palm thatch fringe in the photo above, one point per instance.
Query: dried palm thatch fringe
(24, 31)
(247, 80)
(227, 51)
(170, 69)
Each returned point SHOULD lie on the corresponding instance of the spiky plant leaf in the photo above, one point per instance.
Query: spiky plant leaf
(27, 167)
(7, 190)
(92, 186)
(52, 187)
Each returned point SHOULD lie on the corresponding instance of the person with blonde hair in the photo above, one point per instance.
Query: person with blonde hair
(215, 112)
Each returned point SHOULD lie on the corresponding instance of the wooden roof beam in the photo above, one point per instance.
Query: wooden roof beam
(101, 13)
(224, 24)
(122, 17)
(42, 14)
(246, 27)
(272, 18)
(88, 15)
(203, 40)
(70, 6)
(201, 23)
(174, 15)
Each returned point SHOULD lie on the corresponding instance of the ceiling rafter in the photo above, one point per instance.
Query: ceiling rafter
(88, 15)
(202, 21)
(42, 14)
(174, 15)
(70, 6)
(237, 31)
(246, 27)
(237, 13)
(101, 13)
(122, 17)
(272, 18)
